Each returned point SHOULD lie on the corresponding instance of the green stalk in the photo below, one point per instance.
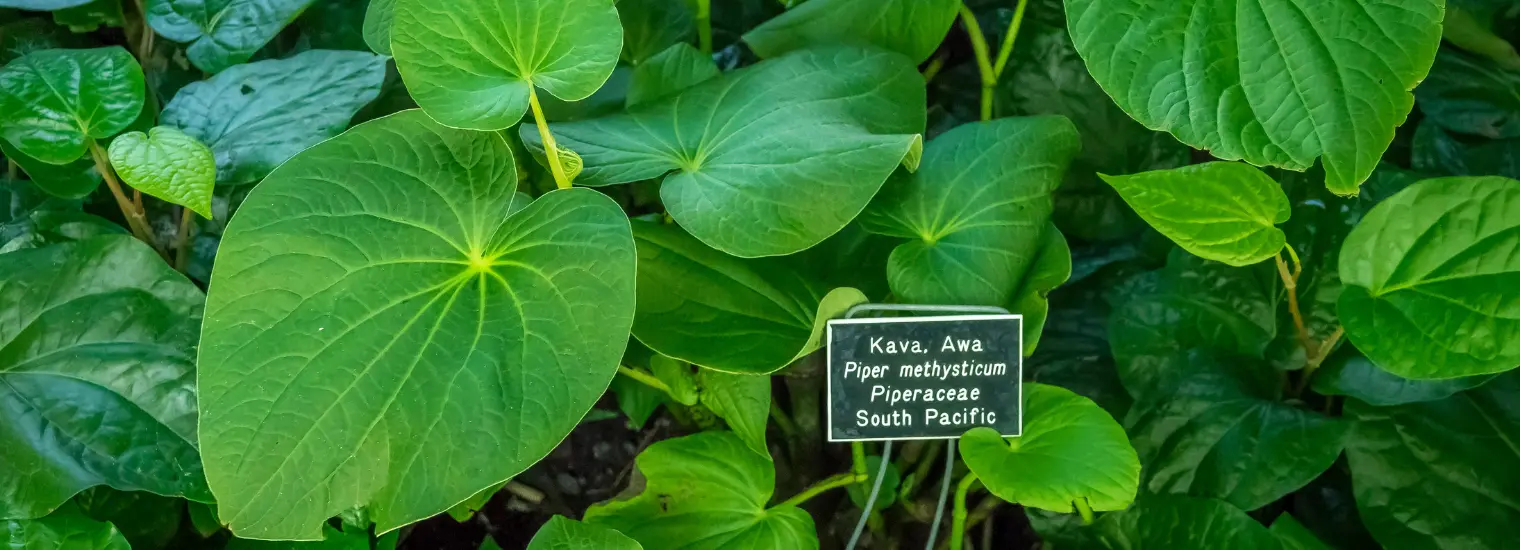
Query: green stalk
(832, 482)
(645, 378)
(704, 25)
(958, 516)
(983, 61)
(182, 241)
(137, 220)
(858, 459)
(1013, 32)
(551, 150)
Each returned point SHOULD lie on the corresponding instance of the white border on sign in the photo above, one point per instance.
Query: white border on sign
(829, 364)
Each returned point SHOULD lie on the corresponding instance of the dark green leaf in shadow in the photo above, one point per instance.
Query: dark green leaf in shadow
(910, 27)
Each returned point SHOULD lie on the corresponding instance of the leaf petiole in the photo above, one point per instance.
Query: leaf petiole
(646, 379)
(832, 482)
(704, 26)
(182, 240)
(551, 149)
(136, 220)
(958, 516)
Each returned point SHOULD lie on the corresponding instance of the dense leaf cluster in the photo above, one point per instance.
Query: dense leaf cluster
(343, 273)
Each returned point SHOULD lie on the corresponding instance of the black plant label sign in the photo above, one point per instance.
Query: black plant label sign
(924, 377)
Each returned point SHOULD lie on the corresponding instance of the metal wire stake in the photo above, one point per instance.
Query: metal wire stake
(944, 494)
(881, 473)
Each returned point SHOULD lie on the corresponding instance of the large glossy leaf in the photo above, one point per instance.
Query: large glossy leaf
(221, 33)
(97, 385)
(375, 313)
(751, 316)
(1273, 82)
(1070, 451)
(766, 160)
(167, 164)
(676, 68)
(910, 27)
(1294, 535)
(378, 17)
(1350, 374)
(473, 63)
(1429, 277)
(651, 26)
(258, 115)
(1223, 433)
(1175, 521)
(66, 529)
(977, 212)
(1471, 95)
(1439, 474)
(56, 101)
(1223, 211)
(74, 180)
(706, 491)
(562, 533)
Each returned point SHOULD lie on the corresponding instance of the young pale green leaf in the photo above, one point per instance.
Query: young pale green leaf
(1294, 536)
(741, 400)
(1071, 450)
(910, 27)
(1439, 474)
(1350, 374)
(651, 26)
(474, 63)
(65, 529)
(168, 164)
(257, 116)
(747, 316)
(1225, 434)
(1429, 279)
(676, 68)
(375, 309)
(706, 491)
(221, 33)
(56, 101)
(1468, 94)
(1271, 82)
(977, 212)
(562, 533)
(770, 159)
(98, 365)
(75, 180)
(677, 376)
(378, 17)
(1176, 521)
(1223, 211)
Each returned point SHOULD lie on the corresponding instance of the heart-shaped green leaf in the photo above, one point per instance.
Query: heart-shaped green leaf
(65, 529)
(221, 33)
(75, 180)
(1439, 474)
(1223, 211)
(1468, 94)
(741, 400)
(562, 533)
(677, 68)
(56, 101)
(910, 27)
(750, 316)
(1175, 521)
(706, 492)
(1429, 279)
(256, 116)
(1272, 82)
(1071, 450)
(474, 63)
(769, 159)
(97, 374)
(167, 164)
(1223, 432)
(375, 309)
(1350, 374)
(378, 18)
(977, 212)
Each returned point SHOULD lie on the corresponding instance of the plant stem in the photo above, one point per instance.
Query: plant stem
(645, 378)
(182, 241)
(1319, 358)
(1290, 281)
(11, 169)
(783, 421)
(137, 221)
(832, 482)
(1085, 510)
(925, 461)
(704, 25)
(1013, 32)
(983, 62)
(551, 150)
(145, 36)
(858, 459)
(958, 516)
(933, 68)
